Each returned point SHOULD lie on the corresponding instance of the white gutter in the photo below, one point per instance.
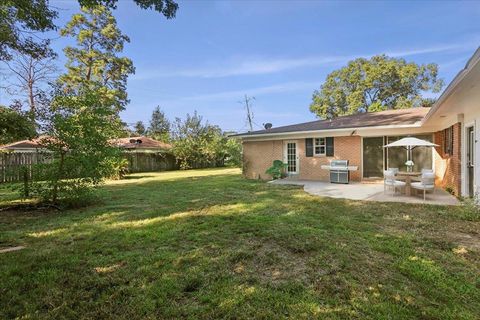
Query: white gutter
(474, 59)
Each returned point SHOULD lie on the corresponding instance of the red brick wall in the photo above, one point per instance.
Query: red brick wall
(258, 156)
(448, 166)
(347, 148)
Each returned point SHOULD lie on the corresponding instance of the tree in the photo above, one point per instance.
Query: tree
(94, 60)
(166, 7)
(197, 144)
(159, 127)
(380, 83)
(79, 129)
(233, 151)
(20, 20)
(32, 74)
(83, 116)
(139, 128)
(15, 125)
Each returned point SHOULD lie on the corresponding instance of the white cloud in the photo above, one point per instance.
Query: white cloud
(432, 49)
(246, 66)
(237, 94)
(269, 65)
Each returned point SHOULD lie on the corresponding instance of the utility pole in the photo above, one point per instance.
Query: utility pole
(248, 106)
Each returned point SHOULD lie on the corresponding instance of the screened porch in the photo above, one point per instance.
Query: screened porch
(376, 158)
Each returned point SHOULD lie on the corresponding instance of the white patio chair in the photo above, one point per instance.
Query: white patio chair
(389, 181)
(426, 183)
(394, 170)
(427, 171)
(417, 179)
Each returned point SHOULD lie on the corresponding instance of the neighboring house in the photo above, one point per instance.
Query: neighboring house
(143, 153)
(453, 123)
(134, 144)
(146, 154)
(32, 145)
(142, 144)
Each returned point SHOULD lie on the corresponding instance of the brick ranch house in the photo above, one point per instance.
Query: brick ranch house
(453, 123)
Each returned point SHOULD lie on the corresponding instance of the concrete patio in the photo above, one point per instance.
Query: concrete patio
(369, 192)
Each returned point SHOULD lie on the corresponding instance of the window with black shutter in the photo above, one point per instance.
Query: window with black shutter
(330, 148)
(309, 147)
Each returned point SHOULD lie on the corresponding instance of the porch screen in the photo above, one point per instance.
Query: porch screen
(373, 157)
(397, 156)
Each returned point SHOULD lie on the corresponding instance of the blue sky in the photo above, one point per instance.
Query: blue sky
(214, 52)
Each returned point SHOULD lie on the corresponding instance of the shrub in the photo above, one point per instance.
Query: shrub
(277, 170)
(120, 168)
(471, 208)
(450, 190)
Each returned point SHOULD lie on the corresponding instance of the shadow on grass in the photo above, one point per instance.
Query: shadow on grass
(136, 177)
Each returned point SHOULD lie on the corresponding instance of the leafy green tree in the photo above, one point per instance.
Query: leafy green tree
(159, 127)
(125, 130)
(233, 152)
(379, 83)
(15, 125)
(94, 58)
(166, 7)
(197, 144)
(21, 19)
(79, 129)
(139, 128)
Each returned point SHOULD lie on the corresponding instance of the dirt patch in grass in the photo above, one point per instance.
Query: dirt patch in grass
(271, 263)
(11, 249)
(470, 241)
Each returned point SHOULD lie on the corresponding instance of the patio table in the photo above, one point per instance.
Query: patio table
(408, 179)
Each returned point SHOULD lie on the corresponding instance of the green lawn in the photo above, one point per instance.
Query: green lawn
(208, 244)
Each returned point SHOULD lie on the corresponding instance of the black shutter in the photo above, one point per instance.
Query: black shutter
(309, 147)
(330, 151)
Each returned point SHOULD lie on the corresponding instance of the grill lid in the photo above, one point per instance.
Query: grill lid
(339, 163)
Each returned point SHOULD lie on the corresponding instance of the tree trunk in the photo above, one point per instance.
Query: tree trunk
(31, 100)
(59, 177)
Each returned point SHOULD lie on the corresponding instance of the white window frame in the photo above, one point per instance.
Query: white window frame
(324, 145)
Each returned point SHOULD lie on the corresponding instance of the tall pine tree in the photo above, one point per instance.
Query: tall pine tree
(94, 59)
(159, 127)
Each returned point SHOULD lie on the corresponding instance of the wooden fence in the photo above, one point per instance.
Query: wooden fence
(13, 166)
(147, 162)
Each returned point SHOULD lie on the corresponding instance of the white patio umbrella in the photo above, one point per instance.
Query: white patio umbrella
(410, 143)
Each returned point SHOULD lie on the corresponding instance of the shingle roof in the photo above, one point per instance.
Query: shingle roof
(146, 143)
(23, 144)
(371, 119)
(132, 143)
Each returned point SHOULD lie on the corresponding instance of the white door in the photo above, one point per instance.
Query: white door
(291, 157)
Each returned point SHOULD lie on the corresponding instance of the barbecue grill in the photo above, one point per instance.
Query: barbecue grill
(339, 171)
